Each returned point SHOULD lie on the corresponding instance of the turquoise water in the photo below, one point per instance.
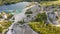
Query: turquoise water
(18, 7)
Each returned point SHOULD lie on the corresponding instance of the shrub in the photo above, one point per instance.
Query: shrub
(28, 12)
(1, 29)
(43, 28)
(5, 25)
(41, 17)
(21, 22)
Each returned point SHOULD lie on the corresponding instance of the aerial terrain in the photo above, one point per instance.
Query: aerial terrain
(29, 16)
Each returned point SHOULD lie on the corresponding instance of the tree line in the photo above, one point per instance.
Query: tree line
(6, 2)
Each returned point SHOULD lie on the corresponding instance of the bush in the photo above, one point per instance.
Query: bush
(28, 12)
(21, 22)
(43, 28)
(8, 2)
(1, 29)
(41, 17)
(5, 25)
(0, 16)
(28, 15)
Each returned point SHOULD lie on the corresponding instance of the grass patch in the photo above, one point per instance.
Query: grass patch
(43, 28)
(47, 3)
(5, 25)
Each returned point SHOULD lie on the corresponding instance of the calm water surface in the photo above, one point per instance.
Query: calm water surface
(14, 8)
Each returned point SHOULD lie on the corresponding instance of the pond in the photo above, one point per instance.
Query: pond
(14, 8)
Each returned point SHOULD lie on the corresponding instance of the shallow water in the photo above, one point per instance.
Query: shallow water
(18, 7)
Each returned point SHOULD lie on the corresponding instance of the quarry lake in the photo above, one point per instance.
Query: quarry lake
(18, 7)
